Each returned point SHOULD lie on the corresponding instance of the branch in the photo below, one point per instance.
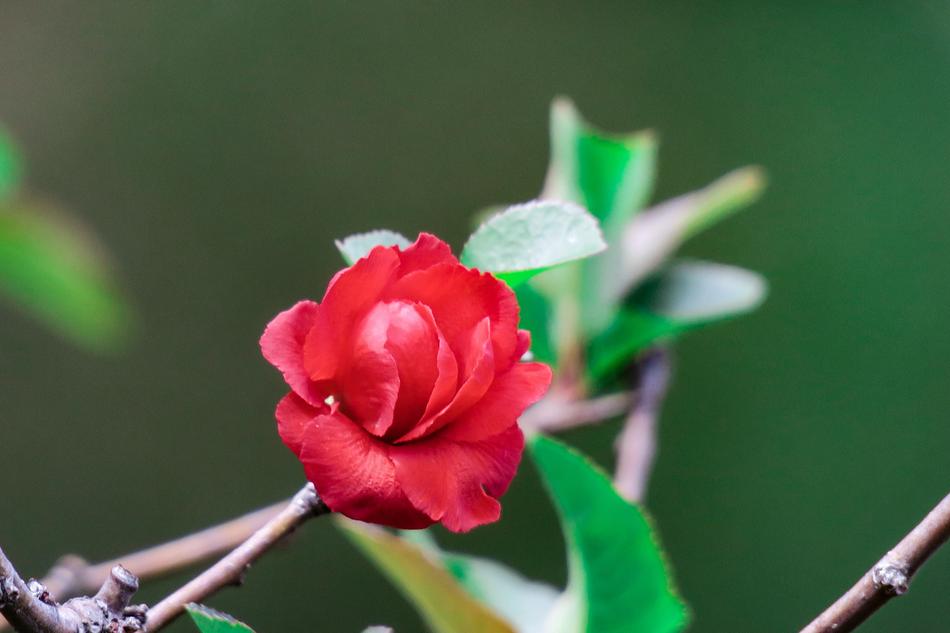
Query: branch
(636, 444)
(555, 414)
(73, 576)
(30, 609)
(305, 505)
(889, 577)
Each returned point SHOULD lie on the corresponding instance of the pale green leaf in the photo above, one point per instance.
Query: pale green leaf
(618, 578)
(686, 295)
(425, 582)
(655, 234)
(52, 266)
(358, 246)
(524, 603)
(527, 239)
(612, 176)
(210, 621)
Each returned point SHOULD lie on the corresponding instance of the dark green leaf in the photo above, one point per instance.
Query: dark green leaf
(527, 239)
(536, 317)
(421, 577)
(656, 233)
(684, 296)
(210, 621)
(358, 246)
(10, 166)
(618, 580)
(52, 266)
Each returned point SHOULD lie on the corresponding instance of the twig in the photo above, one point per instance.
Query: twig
(73, 576)
(889, 577)
(30, 609)
(555, 414)
(636, 444)
(229, 570)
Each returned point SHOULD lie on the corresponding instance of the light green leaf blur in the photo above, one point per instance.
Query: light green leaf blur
(210, 621)
(524, 603)
(51, 265)
(10, 166)
(358, 246)
(612, 176)
(686, 295)
(655, 234)
(424, 581)
(618, 581)
(529, 238)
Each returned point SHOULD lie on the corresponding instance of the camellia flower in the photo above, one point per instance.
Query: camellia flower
(406, 387)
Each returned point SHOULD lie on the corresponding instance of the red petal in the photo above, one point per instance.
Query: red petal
(428, 372)
(460, 298)
(458, 483)
(510, 394)
(351, 292)
(524, 344)
(354, 476)
(370, 388)
(427, 251)
(282, 345)
(477, 377)
(293, 415)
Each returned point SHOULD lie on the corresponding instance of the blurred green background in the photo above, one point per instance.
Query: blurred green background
(219, 147)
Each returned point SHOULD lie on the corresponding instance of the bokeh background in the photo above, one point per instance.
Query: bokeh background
(219, 147)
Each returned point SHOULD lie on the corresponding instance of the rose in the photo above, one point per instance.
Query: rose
(406, 388)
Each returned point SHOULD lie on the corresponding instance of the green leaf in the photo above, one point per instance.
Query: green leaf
(686, 295)
(10, 166)
(422, 579)
(529, 238)
(52, 266)
(358, 246)
(210, 621)
(524, 603)
(378, 629)
(656, 233)
(536, 317)
(618, 578)
(611, 175)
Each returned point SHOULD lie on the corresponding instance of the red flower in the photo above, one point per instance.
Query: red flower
(406, 388)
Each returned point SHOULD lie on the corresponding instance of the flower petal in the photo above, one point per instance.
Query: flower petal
(501, 406)
(370, 389)
(293, 415)
(353, 474)
(477, 376)
(282, 345)
(460, 298)
(524, 344)
(458, 483)
(351, 292)
(427, 251)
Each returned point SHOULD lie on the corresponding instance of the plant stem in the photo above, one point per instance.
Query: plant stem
(305, 505)
(889, 577)
(73, 576)
(636, 444)
(555, 413)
